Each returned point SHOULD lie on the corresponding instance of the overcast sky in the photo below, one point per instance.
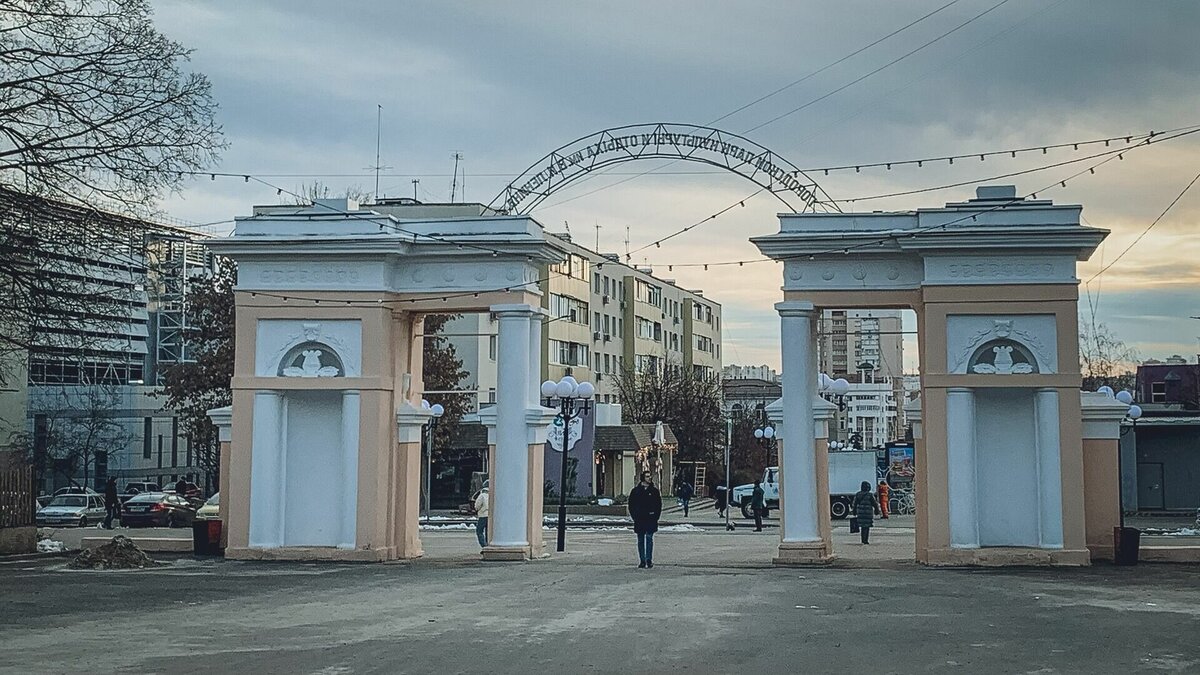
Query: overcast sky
(298, 82)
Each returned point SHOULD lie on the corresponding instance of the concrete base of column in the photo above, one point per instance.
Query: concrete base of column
(803, 554)
(1007, 556)
(505, 553)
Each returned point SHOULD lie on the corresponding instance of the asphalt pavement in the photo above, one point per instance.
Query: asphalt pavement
(711, 604)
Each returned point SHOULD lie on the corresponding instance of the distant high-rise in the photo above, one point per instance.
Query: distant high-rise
(851, 339)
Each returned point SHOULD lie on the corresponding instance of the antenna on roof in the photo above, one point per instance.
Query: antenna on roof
(454, 181)
(378, 137)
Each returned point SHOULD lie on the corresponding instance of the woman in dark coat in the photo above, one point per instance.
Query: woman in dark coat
(865, 508)
(645, 506)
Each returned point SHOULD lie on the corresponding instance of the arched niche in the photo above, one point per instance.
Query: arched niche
(1002, 357)
(311, 359)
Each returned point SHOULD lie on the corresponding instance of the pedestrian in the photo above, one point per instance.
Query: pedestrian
(685, 494)
(481, 513)
(181, 488)
(758, 504)
(720, 498)
(645, 506)
(884, 491)
(865, 507)
(112, 503)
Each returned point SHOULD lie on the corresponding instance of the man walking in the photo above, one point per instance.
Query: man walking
(685, 494)
(645, 506)
(481, 519)
(758, 504)
(112, 503)
(720, 498)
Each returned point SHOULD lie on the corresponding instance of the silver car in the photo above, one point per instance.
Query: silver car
(65, 510)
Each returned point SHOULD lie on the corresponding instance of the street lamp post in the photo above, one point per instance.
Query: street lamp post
(570, 397)
(766, 438)
(435, 411)
(728, 488)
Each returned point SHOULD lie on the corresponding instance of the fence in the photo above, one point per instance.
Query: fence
(16, 498)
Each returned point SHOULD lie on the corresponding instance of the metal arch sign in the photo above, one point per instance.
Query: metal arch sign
(685, 142)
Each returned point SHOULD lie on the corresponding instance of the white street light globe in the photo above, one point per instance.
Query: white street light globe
(1125, 397)
(549, 388)
(1135, 411)
(840, 386)
(568, 378)
(1106, 390)
(769, 433)
(565, 388)
(424, 404)
(585, 390)
(437, 409)
(758, 433)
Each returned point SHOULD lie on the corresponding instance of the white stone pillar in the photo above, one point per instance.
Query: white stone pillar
(960, 456)
(351, 404)
(535, 358)
(267, 470)
(510, 495)
(798, 456)
(1049, 469)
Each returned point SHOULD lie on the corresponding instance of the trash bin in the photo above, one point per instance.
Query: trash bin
(206, 537)
(1126, 541)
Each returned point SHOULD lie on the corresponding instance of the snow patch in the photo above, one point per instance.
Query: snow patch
(50, 546)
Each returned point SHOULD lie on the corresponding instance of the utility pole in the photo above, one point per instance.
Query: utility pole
(415, 182)
(597, 237)
(626, 243)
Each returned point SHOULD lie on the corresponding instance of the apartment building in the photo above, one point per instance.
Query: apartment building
(848, 339)
(603, 316)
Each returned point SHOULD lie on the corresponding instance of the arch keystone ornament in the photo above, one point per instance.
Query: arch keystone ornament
(1013, 463)
(684, 142)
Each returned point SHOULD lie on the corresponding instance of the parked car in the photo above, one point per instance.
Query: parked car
(211, 508)
(72, 509)
(44, 500)
(134, 489)
(157, 509)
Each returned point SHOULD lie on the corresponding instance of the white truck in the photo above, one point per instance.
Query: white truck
(847, 471)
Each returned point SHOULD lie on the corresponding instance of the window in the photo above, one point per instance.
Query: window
(704, 343)
(565, 353)
(595, 282)
(492, 347)
(647, 329)
(1158, 392)
(566, 308)
(576, 267)
(596, 321)
(647, 293)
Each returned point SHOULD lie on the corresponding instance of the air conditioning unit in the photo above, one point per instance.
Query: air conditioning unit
(604, 300)
(607, 337)
(599, 376)
(596, 335)
(676, 320)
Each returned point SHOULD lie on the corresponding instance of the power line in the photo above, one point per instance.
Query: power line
(1148, 228)
(880, 68)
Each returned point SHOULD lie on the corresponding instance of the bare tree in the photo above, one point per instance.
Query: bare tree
(94, 103)
(1104, 359)
(308, 193)
(690, 402)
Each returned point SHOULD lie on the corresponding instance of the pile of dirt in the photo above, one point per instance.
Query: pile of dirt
(119, 554)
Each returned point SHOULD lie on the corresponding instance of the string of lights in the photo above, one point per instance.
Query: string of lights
(891, 236)
(1132, 141)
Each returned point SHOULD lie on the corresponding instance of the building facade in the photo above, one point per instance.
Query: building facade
(736, 372)
(1161, 453)
(88, 408)
(849, 339)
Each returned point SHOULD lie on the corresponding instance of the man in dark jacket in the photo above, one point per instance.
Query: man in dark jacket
(685, 494)
(758, 504)
(112, 503)
(645, 506)
(865, 508)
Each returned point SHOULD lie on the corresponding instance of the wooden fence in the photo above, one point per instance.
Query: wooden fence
(16, 498)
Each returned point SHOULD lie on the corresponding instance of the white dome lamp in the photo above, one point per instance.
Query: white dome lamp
(437, 410)
(769, 433)
(565, 388)
(1135, 411)
(840, 386)
(585, 390)
(549, 389)
(1106, 390)
(758, 433)
(1125, 397)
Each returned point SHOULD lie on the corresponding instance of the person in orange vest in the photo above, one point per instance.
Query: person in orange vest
(884, 489)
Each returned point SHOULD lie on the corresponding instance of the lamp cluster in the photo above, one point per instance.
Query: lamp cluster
(568, 388)
(1124, 396)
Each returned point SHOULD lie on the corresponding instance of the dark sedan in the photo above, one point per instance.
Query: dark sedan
(157, 509)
